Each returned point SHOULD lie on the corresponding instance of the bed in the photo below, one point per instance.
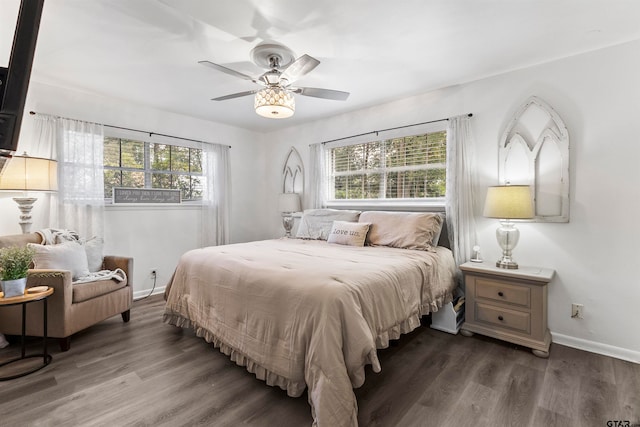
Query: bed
(311, 313)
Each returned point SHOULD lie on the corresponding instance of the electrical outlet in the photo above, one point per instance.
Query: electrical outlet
(153, 273)
(576, 311)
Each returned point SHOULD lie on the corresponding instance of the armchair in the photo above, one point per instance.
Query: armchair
(71, 308)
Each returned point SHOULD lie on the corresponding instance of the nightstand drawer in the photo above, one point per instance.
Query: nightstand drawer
(504, 318)
(502, 292)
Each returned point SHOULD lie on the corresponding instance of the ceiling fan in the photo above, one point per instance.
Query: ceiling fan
(275, 99)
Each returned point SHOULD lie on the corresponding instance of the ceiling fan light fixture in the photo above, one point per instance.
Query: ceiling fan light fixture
(274, 103)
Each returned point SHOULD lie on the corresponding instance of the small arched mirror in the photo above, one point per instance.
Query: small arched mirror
(293, 173)
(534, 151)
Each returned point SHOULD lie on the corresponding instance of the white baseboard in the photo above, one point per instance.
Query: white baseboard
(145, 293)
(596, 347)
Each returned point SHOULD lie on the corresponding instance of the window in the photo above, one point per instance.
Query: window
(410, 167)
(138, 164)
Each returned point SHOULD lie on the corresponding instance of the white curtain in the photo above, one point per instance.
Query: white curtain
(216, 191)
(460, 188)
(77, 146)
(80, 176)
(317, 176)
(44, 144)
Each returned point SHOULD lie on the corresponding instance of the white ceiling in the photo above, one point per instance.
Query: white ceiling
(146, 51)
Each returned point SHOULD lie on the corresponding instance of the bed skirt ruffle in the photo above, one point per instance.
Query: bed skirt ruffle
(408, 325)
(293, 388)
(436, 304)
(296, 388)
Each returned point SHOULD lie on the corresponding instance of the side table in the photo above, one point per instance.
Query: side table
(24, 300)
(510, 305)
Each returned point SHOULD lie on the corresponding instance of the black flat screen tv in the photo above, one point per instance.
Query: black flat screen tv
(14, 79)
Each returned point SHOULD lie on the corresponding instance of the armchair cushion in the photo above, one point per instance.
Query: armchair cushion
(88, 290)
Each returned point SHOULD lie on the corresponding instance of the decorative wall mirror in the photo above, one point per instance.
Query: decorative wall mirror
(293, 173)
(534, 151)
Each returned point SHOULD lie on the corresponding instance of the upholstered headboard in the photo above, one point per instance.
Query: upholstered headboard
(444, 234)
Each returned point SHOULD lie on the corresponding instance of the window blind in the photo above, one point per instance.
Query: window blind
(408, 167)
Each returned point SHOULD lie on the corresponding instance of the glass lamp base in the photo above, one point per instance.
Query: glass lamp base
(508, 236)
(506, 262)
(287, 223)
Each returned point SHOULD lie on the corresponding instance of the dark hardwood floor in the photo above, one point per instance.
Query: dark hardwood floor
(147, 373)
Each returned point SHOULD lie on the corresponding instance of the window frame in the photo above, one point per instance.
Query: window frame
(432, 203)
(148, 139)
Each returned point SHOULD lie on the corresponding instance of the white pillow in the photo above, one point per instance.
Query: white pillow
(348, 233)
(317, 223)
(93, 249)
(64, 256)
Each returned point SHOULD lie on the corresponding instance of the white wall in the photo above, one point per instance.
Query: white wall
(154, 236)
(598, 96)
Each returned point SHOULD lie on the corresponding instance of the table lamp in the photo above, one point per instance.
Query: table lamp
(287, 204)
(24, 174)
(508, 202)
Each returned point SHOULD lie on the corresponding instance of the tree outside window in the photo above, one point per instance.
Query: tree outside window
(137, 164)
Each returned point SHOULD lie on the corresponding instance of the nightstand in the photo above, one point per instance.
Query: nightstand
(510, 305)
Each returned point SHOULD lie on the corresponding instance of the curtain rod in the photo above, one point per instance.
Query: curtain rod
(130, 129)
(384, 130)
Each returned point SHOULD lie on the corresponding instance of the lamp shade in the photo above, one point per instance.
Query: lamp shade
(289, 202)
(508, 202)
(24, 173)
(274, 103)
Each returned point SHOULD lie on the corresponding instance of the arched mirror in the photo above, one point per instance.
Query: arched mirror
(534, 151)
(293, 173)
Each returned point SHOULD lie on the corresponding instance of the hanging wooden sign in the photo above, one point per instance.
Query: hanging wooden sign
(145, 195)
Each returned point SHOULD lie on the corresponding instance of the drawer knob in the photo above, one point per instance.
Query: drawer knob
(501, 295)
(500, 318)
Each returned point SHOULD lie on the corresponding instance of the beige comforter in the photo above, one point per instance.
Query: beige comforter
(306, 313)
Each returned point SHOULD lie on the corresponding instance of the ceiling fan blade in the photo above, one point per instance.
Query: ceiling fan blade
(234, 95)
(299, 68)
(227, 70)
(336, 95)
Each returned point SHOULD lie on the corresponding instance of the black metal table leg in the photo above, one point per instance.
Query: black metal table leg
(24, 329)
(44, 330)
(46, 357)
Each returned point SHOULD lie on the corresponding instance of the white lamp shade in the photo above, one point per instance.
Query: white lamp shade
(274, 103)
(289, 202)
(509, 202)
(24, 173)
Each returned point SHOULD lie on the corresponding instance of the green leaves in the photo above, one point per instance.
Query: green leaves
(15, 261)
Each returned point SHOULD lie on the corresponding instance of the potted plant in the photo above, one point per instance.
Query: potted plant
(14, 264)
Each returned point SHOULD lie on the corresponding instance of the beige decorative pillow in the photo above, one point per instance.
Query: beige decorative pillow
(348, 233)
(69, 256)
(317, 223)
(406, 230)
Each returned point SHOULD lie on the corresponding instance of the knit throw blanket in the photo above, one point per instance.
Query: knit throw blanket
(117, 275)
(52, 236)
